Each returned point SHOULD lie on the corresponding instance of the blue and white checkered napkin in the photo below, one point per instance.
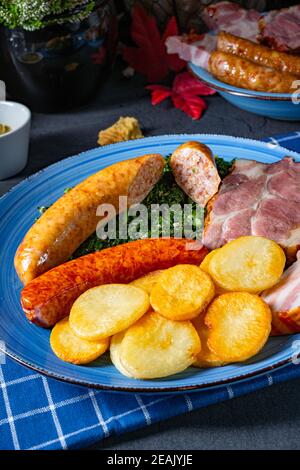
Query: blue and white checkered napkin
(41, 413)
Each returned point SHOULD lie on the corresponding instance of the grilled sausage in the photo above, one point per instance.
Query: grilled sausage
(257, 53)
(245, 74)
(49, 298)
(72, 219)
(195, 171)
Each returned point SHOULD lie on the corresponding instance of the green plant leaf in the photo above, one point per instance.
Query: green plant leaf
(36, 14)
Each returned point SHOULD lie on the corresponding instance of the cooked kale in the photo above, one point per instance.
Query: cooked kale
(223, 166)
(166, 191)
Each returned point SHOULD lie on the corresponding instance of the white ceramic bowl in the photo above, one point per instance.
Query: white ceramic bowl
(14, 144)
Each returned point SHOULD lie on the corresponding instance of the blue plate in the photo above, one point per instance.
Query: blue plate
(272, 105)
(29, 344)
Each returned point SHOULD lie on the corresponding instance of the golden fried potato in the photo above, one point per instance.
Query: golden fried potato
(147, 282)
(249, 264)
(105, 310)
(205, 267)
(115, 351)
(239, 325)
(157, 347)
(70, 348)
(206, 358)
(205, 263)
(182, 292)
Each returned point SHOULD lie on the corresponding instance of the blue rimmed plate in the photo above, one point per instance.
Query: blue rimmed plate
(29, 344)
(272, 105)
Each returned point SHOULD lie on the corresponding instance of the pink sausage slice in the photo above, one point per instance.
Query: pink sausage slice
(195, 171)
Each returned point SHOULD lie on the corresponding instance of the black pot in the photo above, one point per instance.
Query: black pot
(59, 67)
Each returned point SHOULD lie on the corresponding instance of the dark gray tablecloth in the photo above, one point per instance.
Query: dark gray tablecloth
(266, 419)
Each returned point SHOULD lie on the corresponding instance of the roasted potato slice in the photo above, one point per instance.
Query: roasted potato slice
(105, 310)
(70, 348)
(147, 282)
(157, 347)
(205, 267)
(182, 292)
(115, 351)
(205, 263)
(239, 325)
(249, 264)
(206, 358)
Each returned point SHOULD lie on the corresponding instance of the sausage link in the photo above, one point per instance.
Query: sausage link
(72, 219)
(195, 171)
(49, 298)
(245, 74)
(257, 53)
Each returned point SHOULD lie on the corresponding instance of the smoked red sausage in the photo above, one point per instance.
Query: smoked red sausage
(49, 298)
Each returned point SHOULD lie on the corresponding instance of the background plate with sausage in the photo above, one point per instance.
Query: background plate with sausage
(272, 105)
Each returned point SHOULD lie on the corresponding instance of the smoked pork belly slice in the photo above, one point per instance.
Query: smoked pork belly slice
(280, 29)
(257, 199)
(192, 47)
(284, 300)
(232, 18)
(224, 16)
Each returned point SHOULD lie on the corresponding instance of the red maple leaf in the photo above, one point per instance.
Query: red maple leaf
(173, 60)
(184, 93)
(159, 93)
(150, 57)
(185, 83)
(191, 105)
